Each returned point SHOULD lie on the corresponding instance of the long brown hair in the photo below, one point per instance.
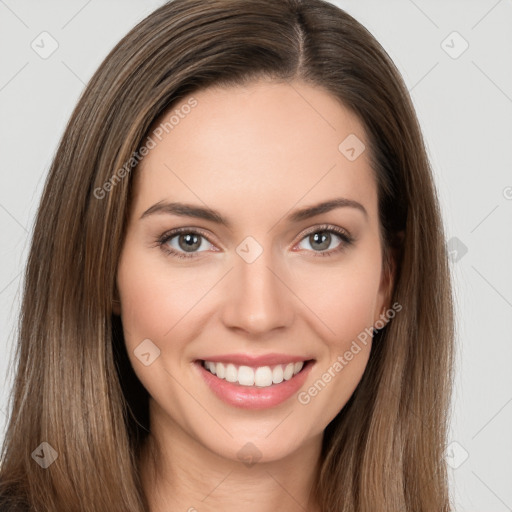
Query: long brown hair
(74, 388)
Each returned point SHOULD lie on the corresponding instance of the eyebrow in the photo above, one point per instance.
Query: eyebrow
(189, 210)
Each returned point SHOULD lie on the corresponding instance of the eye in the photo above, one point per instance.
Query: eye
(187, 242)
(320, 239)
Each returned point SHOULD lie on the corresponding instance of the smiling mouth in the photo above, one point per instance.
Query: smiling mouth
(255, 376)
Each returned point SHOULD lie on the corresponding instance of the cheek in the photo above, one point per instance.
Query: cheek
(343, 297)
(152, 300)
(150, 306)
(348, 311)
(141, 307)
(332, 386)
(353, 307)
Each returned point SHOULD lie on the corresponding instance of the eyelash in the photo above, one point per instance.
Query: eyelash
(346, 238)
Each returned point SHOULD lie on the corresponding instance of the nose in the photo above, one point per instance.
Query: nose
(258, 299)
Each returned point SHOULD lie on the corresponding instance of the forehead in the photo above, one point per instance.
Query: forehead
(260, 143)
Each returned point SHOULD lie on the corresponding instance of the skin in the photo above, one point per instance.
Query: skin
(255, 154)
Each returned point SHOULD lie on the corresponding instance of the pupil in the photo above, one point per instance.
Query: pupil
(194, 239)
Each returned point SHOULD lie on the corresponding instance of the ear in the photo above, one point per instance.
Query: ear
(388, 279)
(116, 303)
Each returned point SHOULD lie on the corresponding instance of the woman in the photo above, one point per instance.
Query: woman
(237, 292)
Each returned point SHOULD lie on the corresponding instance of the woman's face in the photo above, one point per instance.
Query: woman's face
(269, 282)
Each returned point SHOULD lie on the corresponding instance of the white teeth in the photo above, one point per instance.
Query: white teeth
(288, 371)
(277, 374)
(262, 376)
(220, 369)
(231, 373)
(246, 376)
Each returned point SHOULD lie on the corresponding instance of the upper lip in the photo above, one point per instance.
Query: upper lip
(256, 360)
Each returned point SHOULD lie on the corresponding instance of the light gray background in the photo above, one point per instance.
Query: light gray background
(465, 109)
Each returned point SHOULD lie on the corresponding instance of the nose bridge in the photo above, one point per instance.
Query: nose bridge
(258, 300)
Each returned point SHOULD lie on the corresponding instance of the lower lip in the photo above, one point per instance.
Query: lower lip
(252, 397)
